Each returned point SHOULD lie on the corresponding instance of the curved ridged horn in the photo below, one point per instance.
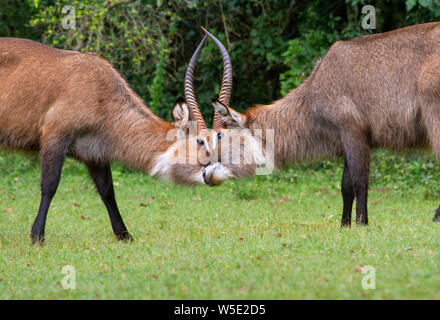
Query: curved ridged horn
(190, 98)
(226, 87)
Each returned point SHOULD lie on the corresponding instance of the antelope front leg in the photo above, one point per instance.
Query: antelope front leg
(357, 155)
(102, 177)
(347, 196)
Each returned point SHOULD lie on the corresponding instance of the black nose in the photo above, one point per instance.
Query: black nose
(207, 182)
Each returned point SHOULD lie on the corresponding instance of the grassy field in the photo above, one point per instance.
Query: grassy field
(272, 237)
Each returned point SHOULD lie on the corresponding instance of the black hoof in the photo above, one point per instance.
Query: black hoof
(37, 239)
(346, 224)
(124, 236)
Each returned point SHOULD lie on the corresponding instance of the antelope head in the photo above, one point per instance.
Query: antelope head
(203, 156)
(192, 158)
(239, 151)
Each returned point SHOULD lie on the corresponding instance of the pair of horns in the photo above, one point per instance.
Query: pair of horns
(225, 89)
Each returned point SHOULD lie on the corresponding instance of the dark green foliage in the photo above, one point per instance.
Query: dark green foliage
(273, 44)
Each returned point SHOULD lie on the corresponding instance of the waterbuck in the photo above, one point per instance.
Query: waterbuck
(66, 103)
(374, 91)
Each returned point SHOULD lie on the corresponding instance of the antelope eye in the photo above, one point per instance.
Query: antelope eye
(219, 135)
(200, 142)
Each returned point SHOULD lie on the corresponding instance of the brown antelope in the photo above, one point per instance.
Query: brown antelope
(66, 103)
(374, 91)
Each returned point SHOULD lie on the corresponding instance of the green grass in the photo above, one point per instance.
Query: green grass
(274, 237)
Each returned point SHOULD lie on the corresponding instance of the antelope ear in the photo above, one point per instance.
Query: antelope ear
(229, 116)
(180, 114)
